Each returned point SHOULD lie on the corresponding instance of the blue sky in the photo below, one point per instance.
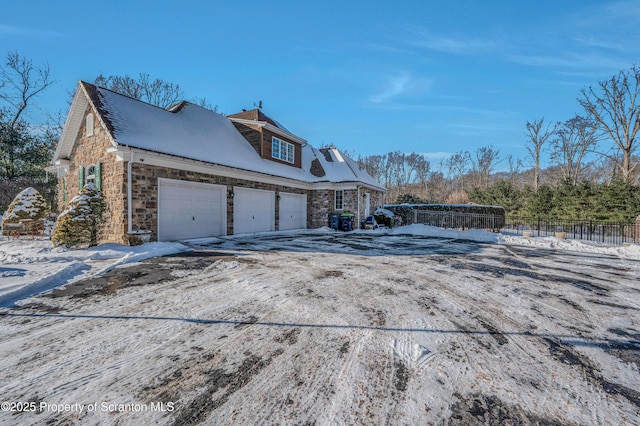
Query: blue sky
(370, 77)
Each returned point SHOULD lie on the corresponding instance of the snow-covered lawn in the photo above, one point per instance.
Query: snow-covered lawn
(392, 327)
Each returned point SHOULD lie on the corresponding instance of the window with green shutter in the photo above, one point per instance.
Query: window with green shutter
(93, 174)
(98, 178)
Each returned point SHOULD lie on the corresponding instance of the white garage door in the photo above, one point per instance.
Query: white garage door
(253, 210)
(293, 211)
(190, 210)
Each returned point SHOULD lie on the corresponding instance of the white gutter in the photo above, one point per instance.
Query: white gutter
(129, 195)
(358, 207)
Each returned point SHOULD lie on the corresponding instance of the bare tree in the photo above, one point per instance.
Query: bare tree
(458, 164)
(486, 160)
(24, 151)
(615, 107)
(537, 138)
(575, 138)
(20, 83)
(154, 91)
(515, 165)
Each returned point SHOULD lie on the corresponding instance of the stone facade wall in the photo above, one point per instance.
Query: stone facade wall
(145, 193)
(91, 150)
(319, 205)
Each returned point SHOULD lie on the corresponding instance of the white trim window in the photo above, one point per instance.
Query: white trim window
(339, 199)
(90, 174)
(282, 150)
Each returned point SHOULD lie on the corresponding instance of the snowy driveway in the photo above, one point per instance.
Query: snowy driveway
(334, 329)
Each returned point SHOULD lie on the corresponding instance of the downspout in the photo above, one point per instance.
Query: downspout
(358, 223)
(129, 196)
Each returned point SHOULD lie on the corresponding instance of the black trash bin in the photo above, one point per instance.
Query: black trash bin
(334, 221)
(346, 222)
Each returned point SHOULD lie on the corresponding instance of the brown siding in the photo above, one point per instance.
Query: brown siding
(267, 153)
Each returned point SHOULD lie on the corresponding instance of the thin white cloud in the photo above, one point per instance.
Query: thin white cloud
(29, 32)
(395, 86)
(573, 61)
(399, 85)
(454, 45)
(600, 43)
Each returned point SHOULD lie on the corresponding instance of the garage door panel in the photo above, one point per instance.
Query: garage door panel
(253, 210)
(293, 211)
(190, 210)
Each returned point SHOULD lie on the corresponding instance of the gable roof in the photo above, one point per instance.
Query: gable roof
(193, 132)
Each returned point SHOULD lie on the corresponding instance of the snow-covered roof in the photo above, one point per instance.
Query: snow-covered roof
(194, 132)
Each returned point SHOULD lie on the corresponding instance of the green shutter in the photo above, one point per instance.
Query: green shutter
(80, 178)
(99, 176)
(64, 192)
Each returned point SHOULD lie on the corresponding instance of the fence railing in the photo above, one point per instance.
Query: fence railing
(457, 220)
(609, 233)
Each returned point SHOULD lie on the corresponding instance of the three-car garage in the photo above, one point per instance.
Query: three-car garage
(188, 210)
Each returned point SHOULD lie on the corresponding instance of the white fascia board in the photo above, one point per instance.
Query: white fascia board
(245, 121)
(373, 188)
(71, 125)
(60, 167)
(271, 128)
(279, 131)
(163, 160)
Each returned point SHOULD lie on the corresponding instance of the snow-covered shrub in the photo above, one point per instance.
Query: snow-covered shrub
(81, 224)
(28, 204)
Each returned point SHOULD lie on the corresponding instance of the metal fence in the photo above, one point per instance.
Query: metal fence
(608, 233)
(457, 220)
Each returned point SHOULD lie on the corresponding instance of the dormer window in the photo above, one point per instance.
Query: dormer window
(89, 125)
(282, 150)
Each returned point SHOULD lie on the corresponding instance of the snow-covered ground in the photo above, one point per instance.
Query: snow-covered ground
(414, 325)
(29, 266)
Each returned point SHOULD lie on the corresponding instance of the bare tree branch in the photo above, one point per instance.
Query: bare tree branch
(614, 106)
(537, 138)
(20, 82)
